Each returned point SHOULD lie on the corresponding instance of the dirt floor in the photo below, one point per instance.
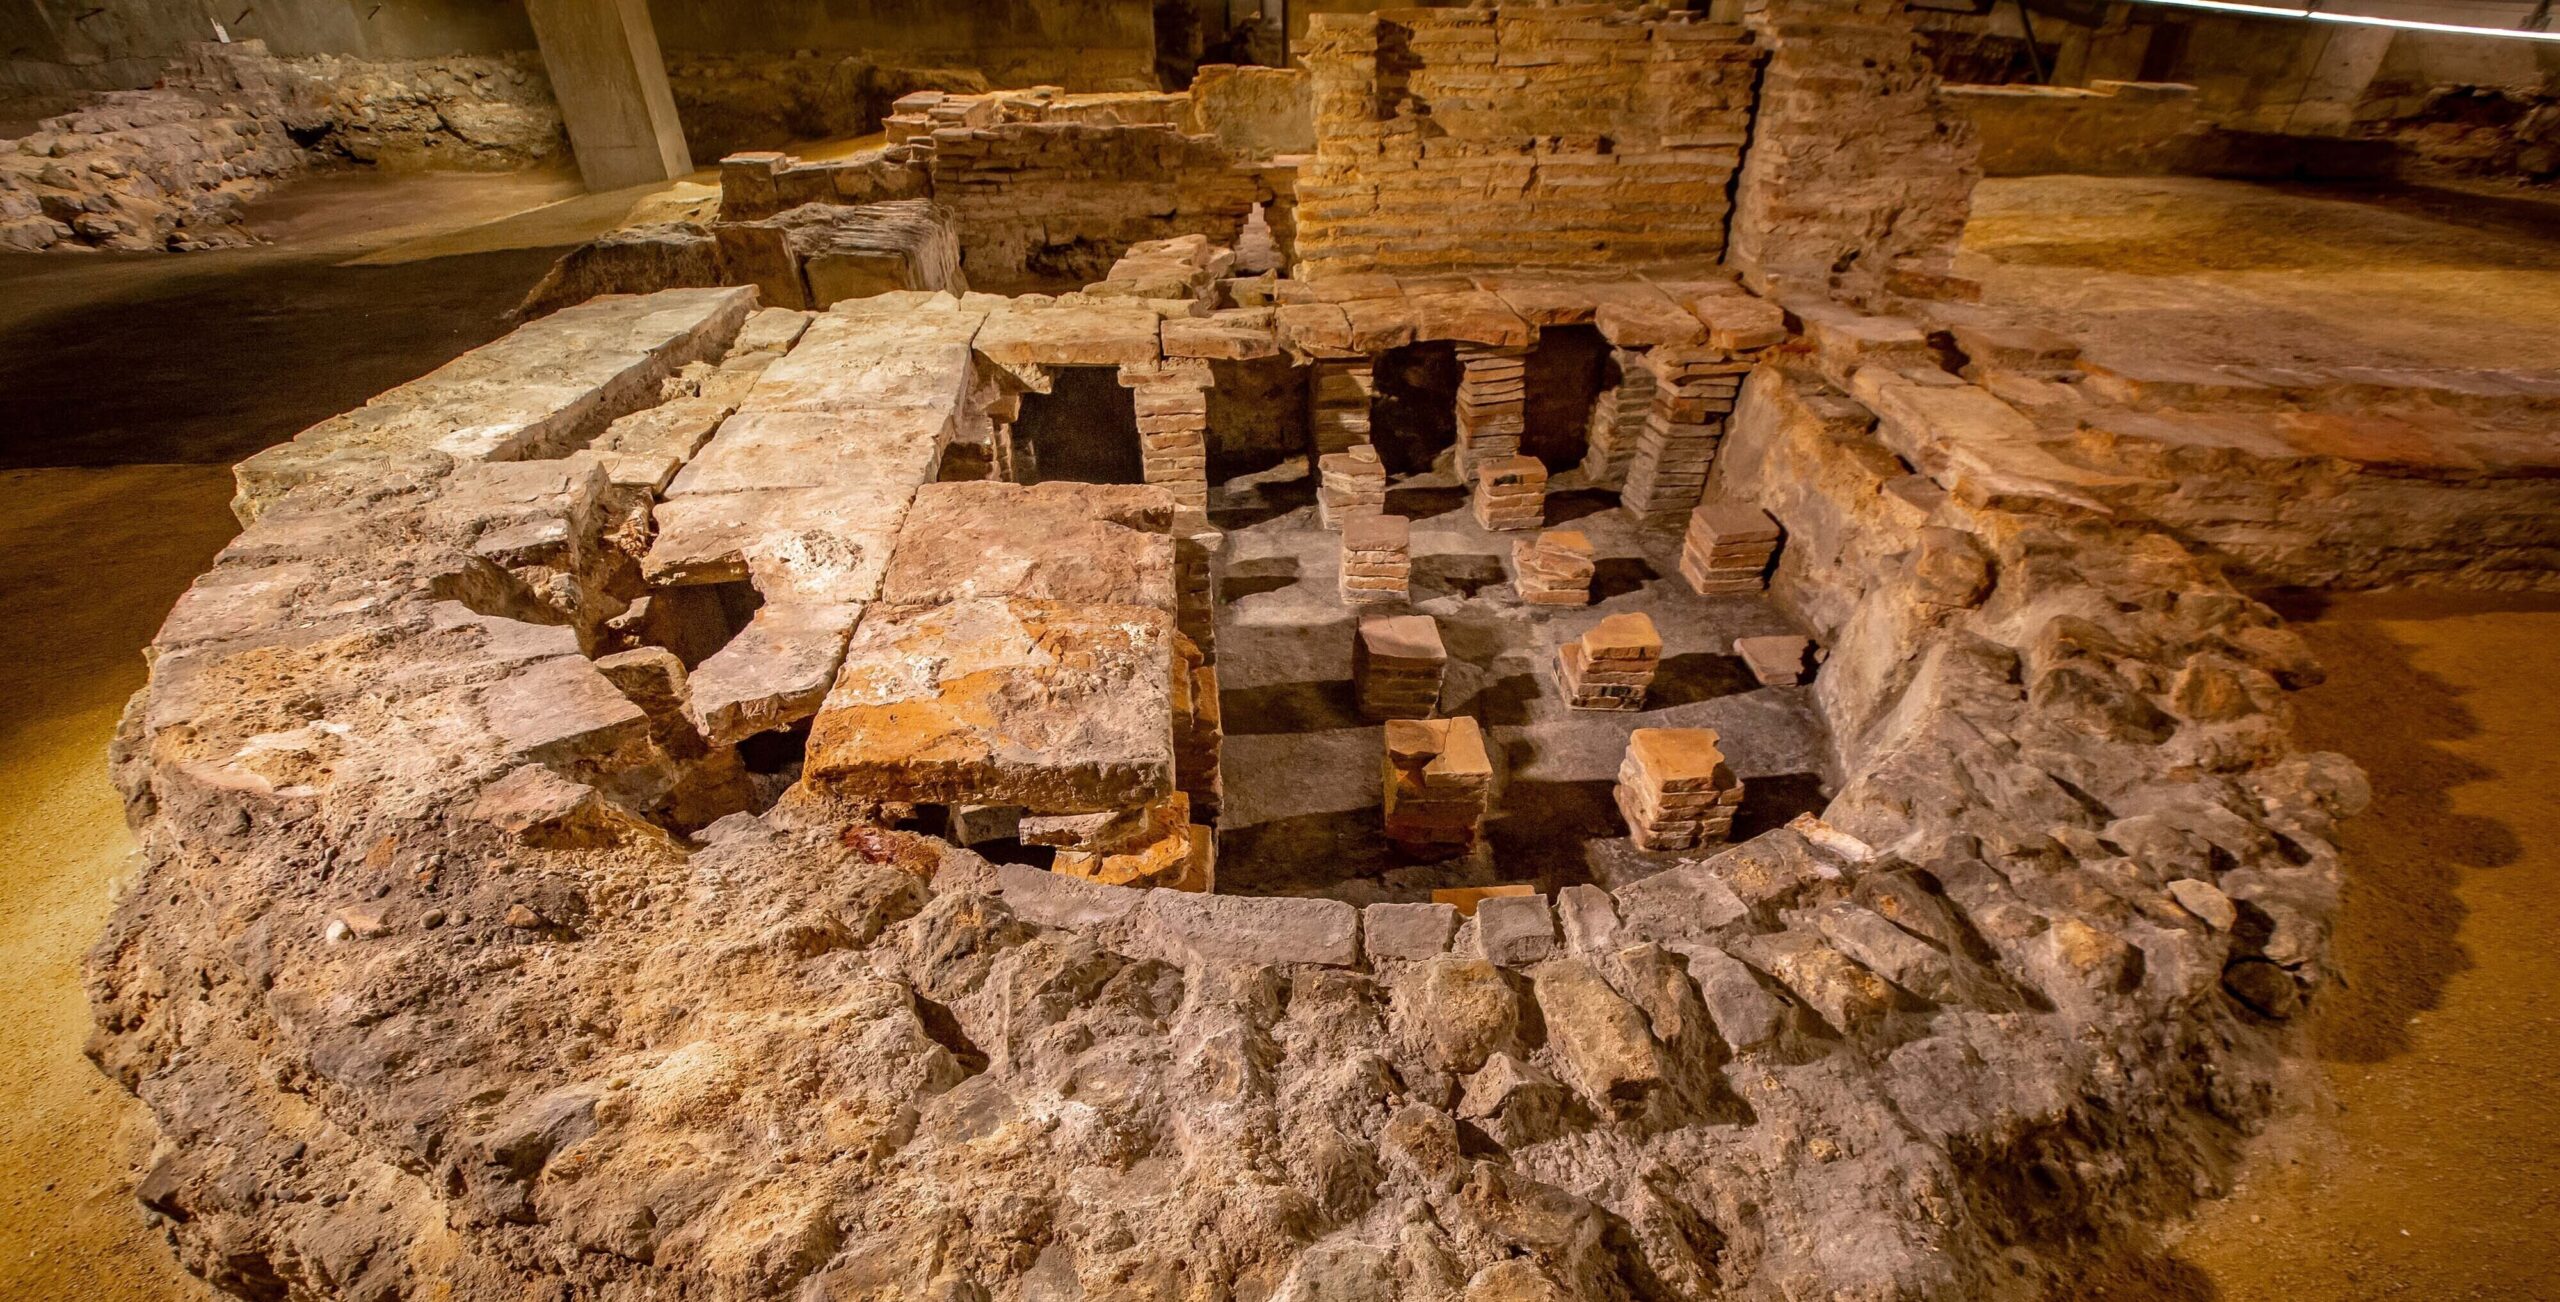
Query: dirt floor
(2426, 1162)
(128, 384)
(1301, 769)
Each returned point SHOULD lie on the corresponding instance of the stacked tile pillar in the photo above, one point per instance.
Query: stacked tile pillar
(1612, 666)
(1727, 548)
(1618, 418)
(1338, 404)
(1173, 426)
(1675, 790)
(1396, 666)
(1377, 560)
(1350, 484)
(1439, 779)
(1199, 731)
(1510, 493)
(1492, 414)
(1553, 569)
(1694, 389)
(1197, 549)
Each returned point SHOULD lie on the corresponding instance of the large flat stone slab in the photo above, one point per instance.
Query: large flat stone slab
(1061, 709)
(1089, 543)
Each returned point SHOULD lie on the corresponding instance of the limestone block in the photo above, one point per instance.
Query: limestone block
(1407, 931)
(1515, 930)
(774, 672)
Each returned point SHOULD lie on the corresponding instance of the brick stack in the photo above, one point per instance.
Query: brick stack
(1510, 493)
(1694, 390)
(1610, 667)
(1439, 779)
(1553, 569)
(1173, 426)
(1618, 418)
(1353, 483)
(1675, 791)
(1167, 849)
(1397, 665)
(1492, 415)
(1377, 560)
(1728, 548)
(1338, 404)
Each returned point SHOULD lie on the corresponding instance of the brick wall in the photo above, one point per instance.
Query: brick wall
(1477, 138)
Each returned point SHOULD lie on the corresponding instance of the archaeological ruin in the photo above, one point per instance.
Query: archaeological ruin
(1280, 653)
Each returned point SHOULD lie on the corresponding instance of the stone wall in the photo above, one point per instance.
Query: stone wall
(63, 46)
(1079, 44)
(172, 167)
(1255, 112)
(1051, 188)
(2111, 128)
(1859, 179)
(734, 102)
(1451, 139)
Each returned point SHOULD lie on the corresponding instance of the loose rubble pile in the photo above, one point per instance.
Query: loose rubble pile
(555, 804)
(172, 167)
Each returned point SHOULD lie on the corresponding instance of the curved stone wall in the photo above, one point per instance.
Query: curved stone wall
(455, 970)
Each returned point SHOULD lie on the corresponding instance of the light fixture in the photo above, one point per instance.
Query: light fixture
(2363, 20)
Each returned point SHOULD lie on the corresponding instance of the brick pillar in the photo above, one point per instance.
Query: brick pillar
(1350, 485)
(1675, 791)
(1554, 568)
(1510, 493)
(1727, 548)
(1338, 404)
(1377, 561)
(1617, 419)
(1396, 665)
(1693, 393)
(1198, 550)
(1439, 779)
(1612, 666)
(1491, 416)
(1173, 426)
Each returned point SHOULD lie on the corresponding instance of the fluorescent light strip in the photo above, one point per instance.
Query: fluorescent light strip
(2357, 20)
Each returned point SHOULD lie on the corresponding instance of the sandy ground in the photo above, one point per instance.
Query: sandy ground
(2427, 1163)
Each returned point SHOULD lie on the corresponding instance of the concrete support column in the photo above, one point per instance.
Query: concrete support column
(612, 86)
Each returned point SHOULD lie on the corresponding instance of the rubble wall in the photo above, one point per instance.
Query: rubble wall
(1078, 44)
(1563, 136)
(1858, 180)
(172, 167)
(1061, 201)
